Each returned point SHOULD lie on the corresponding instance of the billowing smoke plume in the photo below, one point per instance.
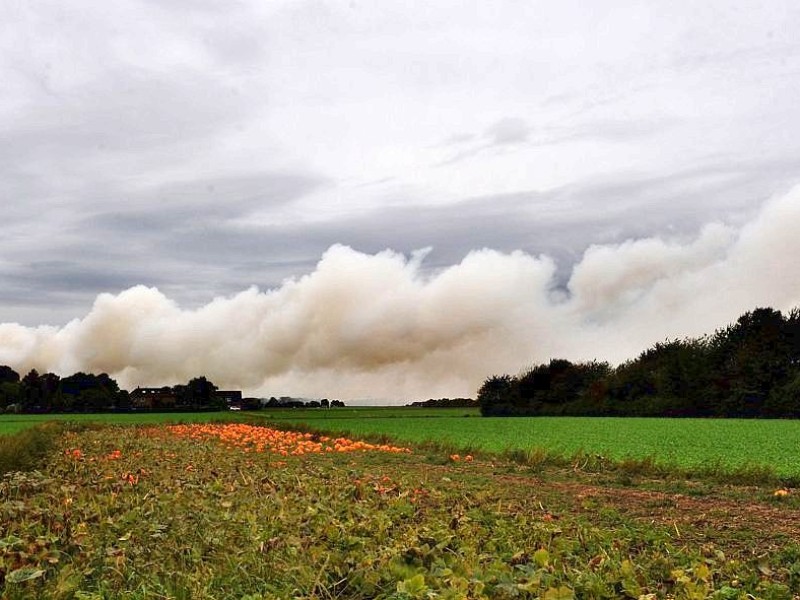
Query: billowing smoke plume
(381, 327)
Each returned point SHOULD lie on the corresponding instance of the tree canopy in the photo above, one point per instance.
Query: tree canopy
(87, 392)
(750, 368)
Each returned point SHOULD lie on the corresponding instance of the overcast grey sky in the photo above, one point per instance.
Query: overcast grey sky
(205, 147)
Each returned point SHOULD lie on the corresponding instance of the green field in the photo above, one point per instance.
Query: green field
(728, 444)
(13, 423)
(692, 443)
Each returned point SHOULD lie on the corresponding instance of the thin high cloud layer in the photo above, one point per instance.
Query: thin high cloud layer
(378, 327)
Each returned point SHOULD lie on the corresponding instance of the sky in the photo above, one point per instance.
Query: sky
(388, 201)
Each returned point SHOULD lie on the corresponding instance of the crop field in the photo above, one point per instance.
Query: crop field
(231, 510)
(13, 423)
(728, 444)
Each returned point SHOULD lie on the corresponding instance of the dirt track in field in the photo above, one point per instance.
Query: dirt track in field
(745, 518)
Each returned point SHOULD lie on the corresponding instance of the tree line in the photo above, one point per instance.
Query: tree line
(749, 369)
(289, 402)
(86, 392)
(444, 403)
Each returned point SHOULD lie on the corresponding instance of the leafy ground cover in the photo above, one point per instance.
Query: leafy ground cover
(725, 445)
(235, 511)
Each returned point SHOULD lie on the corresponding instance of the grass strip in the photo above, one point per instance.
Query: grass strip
(26, 449)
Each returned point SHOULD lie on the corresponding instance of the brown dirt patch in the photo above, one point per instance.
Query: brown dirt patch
(737, 517)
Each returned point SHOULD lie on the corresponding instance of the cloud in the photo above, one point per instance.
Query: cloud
(182, 205)
(612, 278)
(507, 131)
(198, 240)
(379, 326)
(515, 133)
(201, 149)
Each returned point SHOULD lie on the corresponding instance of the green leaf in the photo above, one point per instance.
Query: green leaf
(24, 574)
(541, 557)
(10, 542)
(413, 585)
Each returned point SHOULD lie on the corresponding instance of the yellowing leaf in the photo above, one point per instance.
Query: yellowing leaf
(413, 585)
(24, 574)
(541, 557)
(560, 593)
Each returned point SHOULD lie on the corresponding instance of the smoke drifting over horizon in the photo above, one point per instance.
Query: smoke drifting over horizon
(380, 327)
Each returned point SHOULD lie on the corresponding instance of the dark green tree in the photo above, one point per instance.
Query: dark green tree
(88, 392)
(201, 393)
(749, 359)
(497, 396)
(38, 391)
(8, 375)
(10, 394)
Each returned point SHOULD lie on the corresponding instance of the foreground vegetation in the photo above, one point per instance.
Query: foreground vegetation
(232, 511)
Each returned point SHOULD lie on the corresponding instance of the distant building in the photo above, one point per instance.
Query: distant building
(232, 398)
(153, 398)
(168, 398)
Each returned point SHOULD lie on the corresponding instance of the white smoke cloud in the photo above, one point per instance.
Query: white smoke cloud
(380, 327)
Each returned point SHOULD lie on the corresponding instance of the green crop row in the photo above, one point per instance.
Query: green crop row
(696, 444)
